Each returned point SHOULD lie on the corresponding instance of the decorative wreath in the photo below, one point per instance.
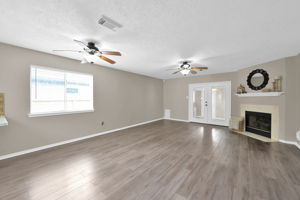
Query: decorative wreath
(263, 85)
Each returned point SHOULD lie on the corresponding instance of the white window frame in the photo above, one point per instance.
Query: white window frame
(42, 114)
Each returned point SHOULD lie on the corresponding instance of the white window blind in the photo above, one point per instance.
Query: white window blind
(55, 91)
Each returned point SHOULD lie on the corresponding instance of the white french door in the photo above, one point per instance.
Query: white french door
(210, 103)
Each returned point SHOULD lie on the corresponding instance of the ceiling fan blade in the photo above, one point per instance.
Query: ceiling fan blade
(107, 59)
(113, 53)
(80, 43)
(176, 72)
(193, 71)
(199, 67)
(68, 50)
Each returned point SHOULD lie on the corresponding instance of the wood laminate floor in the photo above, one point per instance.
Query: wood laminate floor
(162, 160)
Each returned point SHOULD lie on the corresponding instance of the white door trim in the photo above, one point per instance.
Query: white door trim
(192, 86)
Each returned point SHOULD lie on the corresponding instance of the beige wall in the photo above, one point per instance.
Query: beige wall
(121, 99)
(176, 91)
(292, 97)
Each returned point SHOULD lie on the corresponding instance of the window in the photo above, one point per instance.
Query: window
(54, 91)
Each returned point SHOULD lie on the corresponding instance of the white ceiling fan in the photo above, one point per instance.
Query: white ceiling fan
(91, 49)
(185, 68)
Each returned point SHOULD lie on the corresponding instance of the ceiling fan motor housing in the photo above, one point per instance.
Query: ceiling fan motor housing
(92, 46)
(185, 65)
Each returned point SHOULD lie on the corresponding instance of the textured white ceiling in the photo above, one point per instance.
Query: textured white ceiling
(225, 35)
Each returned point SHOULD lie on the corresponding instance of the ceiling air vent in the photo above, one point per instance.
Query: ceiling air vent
(109, 23)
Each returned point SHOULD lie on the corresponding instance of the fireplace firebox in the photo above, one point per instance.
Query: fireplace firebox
(259, 123)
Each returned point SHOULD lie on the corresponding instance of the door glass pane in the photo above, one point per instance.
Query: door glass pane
(218, 103)
(198, 103)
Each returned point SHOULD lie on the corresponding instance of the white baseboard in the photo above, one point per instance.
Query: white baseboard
(180, 120)
(290, 142)
(72, 140)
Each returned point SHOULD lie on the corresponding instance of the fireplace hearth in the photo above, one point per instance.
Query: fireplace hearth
(259, 123)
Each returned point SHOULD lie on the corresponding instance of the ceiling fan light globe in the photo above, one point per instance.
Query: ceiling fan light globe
(185, 72)
(185, 66)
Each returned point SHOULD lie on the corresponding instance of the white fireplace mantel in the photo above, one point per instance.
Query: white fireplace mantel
(261, 94)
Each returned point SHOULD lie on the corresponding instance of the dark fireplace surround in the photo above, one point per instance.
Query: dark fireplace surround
(259, 123)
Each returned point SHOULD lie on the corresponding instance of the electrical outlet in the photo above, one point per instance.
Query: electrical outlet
(102, 123)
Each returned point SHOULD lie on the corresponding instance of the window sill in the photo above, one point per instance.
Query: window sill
(58, 113)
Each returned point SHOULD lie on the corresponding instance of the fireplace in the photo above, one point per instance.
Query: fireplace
(259, 123)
